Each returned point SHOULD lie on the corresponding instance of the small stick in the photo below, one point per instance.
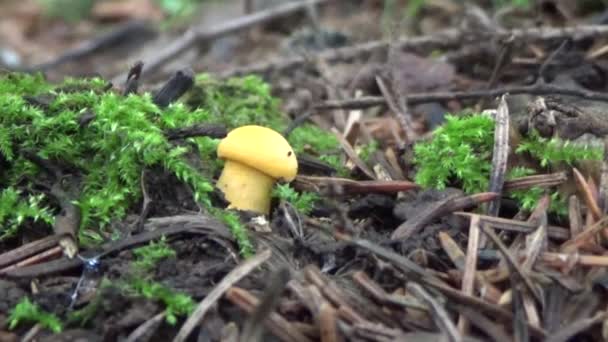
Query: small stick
(35, 259)
(419, 98)
(544, 181)
(579, 240)
(230, 279)
(603, 193)
(470, 269)
(518, 226)
(328, 322)
(440, 315)
(400, 114)
(587, 194)
(252, 329)
(28, 250)
(511, 261)
(148, 327)
(276, 323)
(352, 155)
(500, 155)
(448, 205)
(568, 332)
(574, 216)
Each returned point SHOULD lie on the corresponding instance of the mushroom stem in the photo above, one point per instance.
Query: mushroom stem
(246, 188)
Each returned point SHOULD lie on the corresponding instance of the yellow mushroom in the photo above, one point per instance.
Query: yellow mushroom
(256, 158)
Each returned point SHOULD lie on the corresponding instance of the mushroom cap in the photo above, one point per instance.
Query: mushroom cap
(262, 149)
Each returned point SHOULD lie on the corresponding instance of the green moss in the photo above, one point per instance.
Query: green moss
(303, 201)
(368, 149)
(26, 311)
(314, 140)
(238, 230)
(110, 152)
(176, 304)
(16, 208)
(460, 152)
(148, 256)
(237, 102)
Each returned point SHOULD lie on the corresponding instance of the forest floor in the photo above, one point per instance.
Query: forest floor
(452, 178)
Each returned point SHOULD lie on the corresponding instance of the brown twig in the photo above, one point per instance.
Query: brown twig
(28, 250)
(587, 194)
(352, 155)
(350, 186)
(193, 224)
(543, 181)
(603, 193)
(414, 271)
(401, 114)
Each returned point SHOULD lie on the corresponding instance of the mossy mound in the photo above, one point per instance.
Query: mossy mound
(104, 141)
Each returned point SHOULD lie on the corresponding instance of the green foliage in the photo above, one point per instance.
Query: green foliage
(125, 137)
(303, 201)
(15, 210)
(460, 154)
(148, 256)
(528, 198)
(238, 230)
(26, 311)
(515, 3)
(178, 7)
(368, 149)
(176, 304)
(554, 150)
(83, 316)
(414, 7)
(460, 149)
(311, 138)
(68, 10)
(237, 102)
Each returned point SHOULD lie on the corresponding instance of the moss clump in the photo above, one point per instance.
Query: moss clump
(26, 311)
(303, 202)
(125, 136)
(312, 139)
(148, 256)
(460, 154)
(237, 102)
(461, 150)
(108, 154)
(16, 208)
(176, 304)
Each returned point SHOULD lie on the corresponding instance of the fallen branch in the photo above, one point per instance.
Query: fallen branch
(445, 40)
(199, 34)
(414, 99)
